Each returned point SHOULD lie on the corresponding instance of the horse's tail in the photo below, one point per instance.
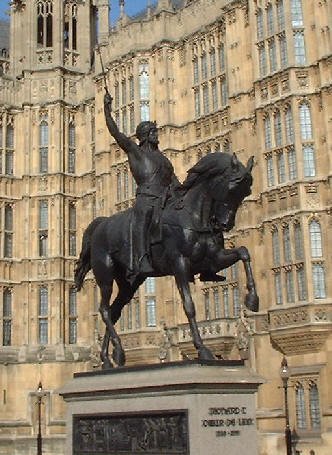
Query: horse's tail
(83, 264)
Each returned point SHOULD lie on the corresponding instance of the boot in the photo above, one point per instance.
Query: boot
(211, 276)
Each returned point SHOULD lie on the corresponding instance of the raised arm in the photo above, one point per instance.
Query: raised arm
(124, 142)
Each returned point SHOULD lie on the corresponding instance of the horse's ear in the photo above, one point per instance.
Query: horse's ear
(250, 164)
(235, 162)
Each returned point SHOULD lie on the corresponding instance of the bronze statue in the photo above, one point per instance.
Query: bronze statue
(156, 183)
(189, 240)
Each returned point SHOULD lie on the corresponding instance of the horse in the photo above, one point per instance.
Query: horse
(190, 241)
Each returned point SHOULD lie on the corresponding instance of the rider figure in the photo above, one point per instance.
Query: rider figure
(155, 178)
(156, 181)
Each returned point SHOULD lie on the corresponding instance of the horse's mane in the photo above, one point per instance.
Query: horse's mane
(209, 166)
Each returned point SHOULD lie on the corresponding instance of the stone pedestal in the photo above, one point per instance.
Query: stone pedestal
(178, 408)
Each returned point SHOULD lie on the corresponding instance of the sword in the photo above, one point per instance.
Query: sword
(103, 70)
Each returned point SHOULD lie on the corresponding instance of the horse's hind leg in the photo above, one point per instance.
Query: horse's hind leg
(110, 333)
(104, 271)
(125, 294)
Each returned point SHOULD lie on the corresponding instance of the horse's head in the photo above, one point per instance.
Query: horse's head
(227, 190)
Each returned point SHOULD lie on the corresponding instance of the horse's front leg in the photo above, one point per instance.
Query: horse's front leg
(251, 299)
(226, 258)
(182, 277)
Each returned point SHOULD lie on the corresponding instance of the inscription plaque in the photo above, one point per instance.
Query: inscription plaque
(151, 433)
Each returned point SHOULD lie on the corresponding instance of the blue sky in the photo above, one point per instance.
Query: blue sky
(131, 7)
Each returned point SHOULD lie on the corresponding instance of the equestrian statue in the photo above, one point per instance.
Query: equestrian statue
(172, 229)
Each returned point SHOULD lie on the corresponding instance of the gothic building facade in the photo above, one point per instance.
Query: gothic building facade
(250, 77)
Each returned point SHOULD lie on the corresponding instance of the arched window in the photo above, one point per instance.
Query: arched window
(262, 59)
(314, 406)
(309, 160)
(299, 47)
(223, 91)
(204, 66)
(213, 62)
(207, 306)
(289, 278)
(74, 26)
(195, 70)
(305, 122)
(118, 186)
(281, 15)
(9, 162)
(301, 418)
(297, 14)
(222, 57)
(43, 315)
(70, 26)
(151, 311)
(43, 228)
(150, 301)
(45, 23)
(144, 81)
(71, 147)
(225, 296)
(206, 105)
(318, 279)
(315, 239)
(7, 317)
(301, 284)
(260, 25)
(267, 131)
(275, 247)
(150, 285)
(277, 129)
(281, 167)
(43, 147)
(289, 125)
(216, 301)
(278, 288)
(272, 54)
(72, 314)
(8, 234)
(197, 99)
(269, 170)
(125, 184)
(270, 21)
(292, 165)
(236, 302)
(287, 244)
(72, 229)
(298, 242)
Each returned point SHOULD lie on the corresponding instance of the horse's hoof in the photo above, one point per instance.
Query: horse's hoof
(119, 356)
(107, 364)
(252, 302)
(205, 354)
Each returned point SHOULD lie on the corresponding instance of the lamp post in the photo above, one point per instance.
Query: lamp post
(284, 374)
(40, 395)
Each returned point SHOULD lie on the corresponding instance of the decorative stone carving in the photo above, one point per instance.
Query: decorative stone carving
(165, 432)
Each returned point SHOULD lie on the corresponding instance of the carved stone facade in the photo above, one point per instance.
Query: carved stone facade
(250, 77)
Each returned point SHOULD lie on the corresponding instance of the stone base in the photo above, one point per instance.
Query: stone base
(178, 408)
